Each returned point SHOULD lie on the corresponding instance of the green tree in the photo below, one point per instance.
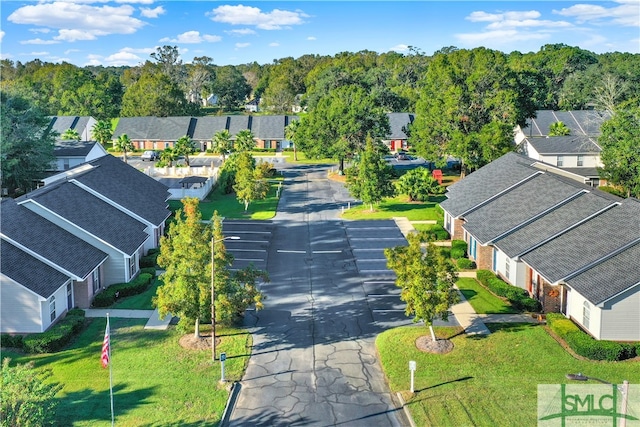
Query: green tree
(185, 256)
(231, 87)
(558, 129)
(244, 141)
(168, 60)
(102, 131)
(123, 144)
(427, 280)
(338, 125)
(26, 148)
(251, 183)
(185, 146)
(371, 183)
(418, 184)
(70, 135)
(167, 157)
(620, 153)
(27, 396)
(291, 133)
(155, 94)
(221, 143)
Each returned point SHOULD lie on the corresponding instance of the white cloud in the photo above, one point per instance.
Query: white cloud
(311, 38)
(192, 37)
(152, 13)
(241, 32)
(247, 15)
(480, 16)
(43, 53)
(500, 37)
(40, 30)
(68, 51)
(627, 13)
(274, 44)
(400, 48)
(77, 21)
(242, 45)
(1, 35)
(39, 41)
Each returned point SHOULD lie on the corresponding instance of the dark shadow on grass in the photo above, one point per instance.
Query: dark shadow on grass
(510, 326)
(445, 383)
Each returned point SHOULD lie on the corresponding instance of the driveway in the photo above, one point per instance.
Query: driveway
(314, 360)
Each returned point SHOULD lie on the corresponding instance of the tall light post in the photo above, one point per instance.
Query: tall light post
(624, 389)
(213, 293)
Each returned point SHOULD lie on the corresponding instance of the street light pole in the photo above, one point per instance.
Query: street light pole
(624, 389)
(213, 294)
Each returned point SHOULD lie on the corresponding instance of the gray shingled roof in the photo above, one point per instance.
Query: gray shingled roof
(517, 206)
(73, 148)
(554, 145)
(398, 122)
(554, 222)
(48, 240)
(610, 277)
(268, 127)
(584, 245)
(91, 214)
(128, 187)
(171, 128)
(486, 182)
(206, 127)
(238, 123)
(61, 124)
(30, 272)
(580, 122)
(136, 128)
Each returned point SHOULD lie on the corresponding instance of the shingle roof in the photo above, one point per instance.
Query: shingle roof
(580, 122)
(268, 127)
(206, 127)
(73, 148)
(48, 240)
(91, 214)
(564, 145)
(61, 124)
(610, 277)
(584, 245)
(398, 122)
(127, 187)
(30, 272)
(486, 182)
(171, 128)
(554, 222)
(134, 127)
(238, 123)
(517, 206)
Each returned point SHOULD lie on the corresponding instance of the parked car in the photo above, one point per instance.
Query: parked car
(150, 155)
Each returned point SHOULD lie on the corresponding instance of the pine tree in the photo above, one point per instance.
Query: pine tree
(372, 182)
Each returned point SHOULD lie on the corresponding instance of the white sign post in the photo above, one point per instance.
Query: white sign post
(223, 357)
(412, 368)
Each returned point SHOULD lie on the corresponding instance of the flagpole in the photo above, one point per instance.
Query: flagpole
(110, 375)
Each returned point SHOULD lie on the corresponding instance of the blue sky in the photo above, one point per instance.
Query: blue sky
(125, 32)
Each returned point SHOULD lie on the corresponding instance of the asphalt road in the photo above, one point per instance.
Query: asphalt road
(314, 361)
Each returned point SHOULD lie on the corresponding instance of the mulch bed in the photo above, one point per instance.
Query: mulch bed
(426, 344)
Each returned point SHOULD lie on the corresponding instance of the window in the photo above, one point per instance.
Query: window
(447, 223)
(560, 161)
(96, 280)
(52, 308)
(580, 160)
(586, 314)
(132, 266)
(65, 164)
(507, 267)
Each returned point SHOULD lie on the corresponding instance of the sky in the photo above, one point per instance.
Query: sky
(126, 32)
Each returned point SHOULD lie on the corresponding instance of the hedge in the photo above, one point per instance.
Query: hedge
(465, 263)
(150, 259)
(58, 336)
(136, 286)
(518, 297)
(585, 345)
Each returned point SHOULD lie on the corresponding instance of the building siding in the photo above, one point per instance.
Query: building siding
(621, 317)
(20, 308)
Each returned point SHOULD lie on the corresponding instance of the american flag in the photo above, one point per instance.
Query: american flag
(105, 347)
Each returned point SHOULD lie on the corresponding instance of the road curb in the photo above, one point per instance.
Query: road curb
(406, 410)
(231, 402)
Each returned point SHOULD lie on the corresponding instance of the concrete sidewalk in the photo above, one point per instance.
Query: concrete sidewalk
(154, 319)
(468, 318)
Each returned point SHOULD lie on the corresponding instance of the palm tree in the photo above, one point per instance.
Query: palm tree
(290, 134)
(221, 143)
(168, 156)
(102, 132)
(124, 144)
(244, 141)
(184, 146)
(70, 135)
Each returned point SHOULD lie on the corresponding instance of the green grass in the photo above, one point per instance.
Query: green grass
(228, 205)
(483, 301)
(397, 206)
(141, 301)
(155, 381)
(489, 381)
(302, 159)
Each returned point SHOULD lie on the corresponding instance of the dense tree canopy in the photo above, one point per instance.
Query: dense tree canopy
(370, 180)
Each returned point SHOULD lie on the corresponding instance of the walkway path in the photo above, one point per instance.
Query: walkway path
(154, 318)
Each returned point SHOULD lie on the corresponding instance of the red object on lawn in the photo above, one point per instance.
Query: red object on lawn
(437, 174)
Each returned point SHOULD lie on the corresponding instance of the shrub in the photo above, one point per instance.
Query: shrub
(149, 261)
(465, 263)
(58, 336)
(458, 249)
(136, 286)
(15, 341)
(484, 276)
(457, 253)
(518, 297)
(149, 270)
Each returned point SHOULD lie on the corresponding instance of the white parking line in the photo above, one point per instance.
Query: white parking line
(284, 251)
(246, 250)
(248, 259)
(326, 252)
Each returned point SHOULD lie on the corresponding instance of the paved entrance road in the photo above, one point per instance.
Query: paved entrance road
(314, 361)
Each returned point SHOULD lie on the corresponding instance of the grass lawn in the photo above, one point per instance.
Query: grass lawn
(228, 205)
(483, 301)
(398, 206)
(141, 301)
(489, 381)
(155, 381)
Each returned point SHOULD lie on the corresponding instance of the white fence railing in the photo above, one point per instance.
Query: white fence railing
(211, 173)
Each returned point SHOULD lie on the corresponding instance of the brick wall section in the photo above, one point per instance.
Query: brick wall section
(484, 259)
(458, 232)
